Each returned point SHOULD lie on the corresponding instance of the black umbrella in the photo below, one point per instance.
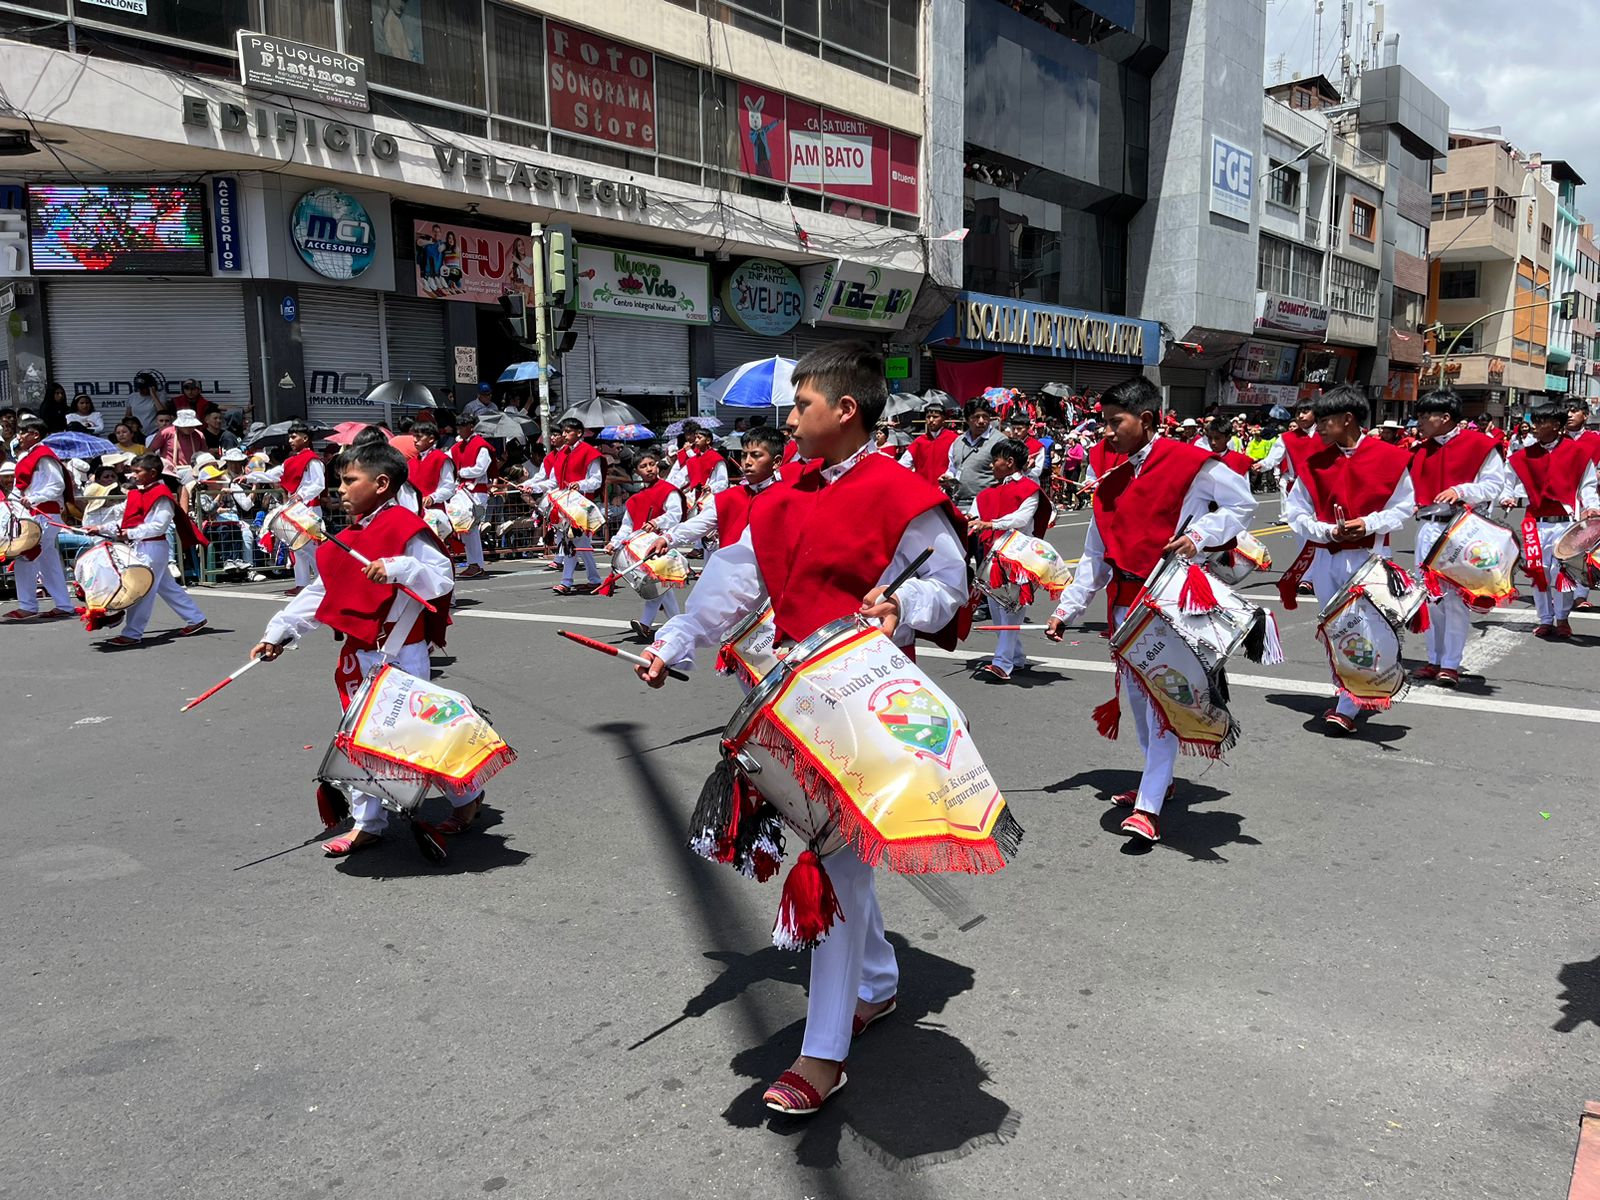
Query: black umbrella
(603, 411)
(507, 426)
(278, 435)
(400, 392)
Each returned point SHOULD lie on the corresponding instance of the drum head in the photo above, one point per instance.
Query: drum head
(762, 693)
(18, 534)
(1579, 539)
(294, 526)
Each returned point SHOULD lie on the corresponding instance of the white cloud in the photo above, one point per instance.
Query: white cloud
(1532, 77)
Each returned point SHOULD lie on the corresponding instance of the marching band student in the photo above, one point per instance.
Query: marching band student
(1577, 426)
(823, 547)
(657, 506)
(41, 483)
(929, 452)
(471, 458)
(1459, 467)
(432, 473)
(1013, 502)
(1161, 485)
(726, 518)
(1294, 442)
(573, 464)
(149, 512)
(1346, 499)
(303, 477)
(1555, 478)
(1219, 437)
(1016, 428)
(379, 623)
(698, 467)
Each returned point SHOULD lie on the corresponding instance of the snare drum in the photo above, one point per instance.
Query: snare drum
(1216, 634)
(577, 510)
(112, 579)
(439, 521)
(295, 526)
(1578, 540)
(1362, 630)
(19, 529)
(1477, 556)
(1017, 565)
(463, 512)
(1234, 566)
(651, 578)
(751, 649)
(1389, 588)
(851, 742)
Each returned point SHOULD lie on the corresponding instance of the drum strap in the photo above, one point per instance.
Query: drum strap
(1289, 582)
(1533, 553)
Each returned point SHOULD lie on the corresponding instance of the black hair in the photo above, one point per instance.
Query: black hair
(144, 381)
(849, 368)
(1220, 426)
(650, 453)
(149, 462)
(1010, 448)
(31, 422)
(1548, 410)
(375, 458)
(1017, 417)
(443, 417)
(690, 428)
(1136, 394)
(467, 418)
(370, 436)
(976, 405)
(425, 429)
(1577, 404)
(1347, 398)
(299, 427)
(1443, 400)
(571, 423)
(765, 435)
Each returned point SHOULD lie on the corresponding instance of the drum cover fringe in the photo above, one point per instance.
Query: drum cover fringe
(1210, 750)
(913, 856)
(732, 824)
(384, 766)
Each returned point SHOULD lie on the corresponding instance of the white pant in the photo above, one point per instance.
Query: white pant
(305, 565)
(1449, 619)
(45, 568)
(583, 548)
(854, 962)
(1160, 746)
(665, 603)
(154, 555)
(472, 540)
(1330, 571)
(1008, 655)
(1552, 604)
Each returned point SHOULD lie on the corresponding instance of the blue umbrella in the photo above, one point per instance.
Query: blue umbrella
(523, 372)
(626, 433)
(765, 383)
(80, 445)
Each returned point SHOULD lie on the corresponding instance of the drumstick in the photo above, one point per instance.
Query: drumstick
(916, 562)
(213, 690)
(617, 652)
(1004, 628)
(367, 562)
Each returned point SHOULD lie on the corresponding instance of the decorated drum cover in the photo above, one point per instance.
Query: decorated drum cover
(577, 509)
(112, 578)
(1017, 565)
(439, 522)
(463, 512)
(1364, 651)
(1171, 673)
(19, 530)
(751, 649)
(1477, 556)
(649, 577)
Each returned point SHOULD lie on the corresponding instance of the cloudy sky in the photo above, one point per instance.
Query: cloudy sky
(1533, 77)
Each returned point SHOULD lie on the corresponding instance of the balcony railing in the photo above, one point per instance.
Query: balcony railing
(1313, 230)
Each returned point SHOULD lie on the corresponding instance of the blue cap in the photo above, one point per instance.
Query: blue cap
(484, 389)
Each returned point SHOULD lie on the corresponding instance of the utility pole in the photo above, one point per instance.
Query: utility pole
(541, 300)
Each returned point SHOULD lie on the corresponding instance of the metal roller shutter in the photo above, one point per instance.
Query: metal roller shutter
(5, 362)
(577, 367)
(342, 337)
(730, 347)
(1030, 373)
(634, 357)
(415, 332)
(105, 331)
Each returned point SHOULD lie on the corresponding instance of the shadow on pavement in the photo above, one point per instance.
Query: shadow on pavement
(1200, 835)
(471, 853)
(1376, 727)
(1580, 995)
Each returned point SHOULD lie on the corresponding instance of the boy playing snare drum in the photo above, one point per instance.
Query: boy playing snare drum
(1014, 502)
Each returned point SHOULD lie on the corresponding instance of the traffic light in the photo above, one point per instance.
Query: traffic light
(559, 285)
(514, 317)
(1569, 306)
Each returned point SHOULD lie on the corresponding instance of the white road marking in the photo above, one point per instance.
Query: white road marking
(1490, 647)
(1551, 712)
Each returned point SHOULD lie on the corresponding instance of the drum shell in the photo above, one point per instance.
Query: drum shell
(293, 535)
(576, 510)
(1007, 594)
(20, 531)
(1233, 567)
(134, 578)
(1217, 634)
(464, 512)
(1373, 579)
(753, 644)
(1577, 540)
(401, 795)
(627, 564)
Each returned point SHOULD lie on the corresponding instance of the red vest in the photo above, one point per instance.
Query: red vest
(1137, 515)
(141, 503)
(791, 450)
(1436, 466)
(294, 473)
(822, 548)
(1103, 458)
(931, 455)
(572, 463)
(359, 608)
(1003, 499)
(1590, 441)
(1234, 460)
(701, 466)
(1551, 477)
(26, 466)
(1359, 483)
(465, 454)
(1297, 447)
(733, 511)
(425, 471)
(645, 506)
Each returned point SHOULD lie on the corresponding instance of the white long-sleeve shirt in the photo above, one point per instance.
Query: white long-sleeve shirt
(422, 568)
(1021, 520)
(732, 587)
(1273, 456)
(545, 480)
(1299, 513)
(703, 524)
(665, 523)
(717, 481)
(440, 496)
(1206, 528)
(471, 478)
(312, 482)
(1487, 486)
(1588, 493)
(156, 523)
(48, 485)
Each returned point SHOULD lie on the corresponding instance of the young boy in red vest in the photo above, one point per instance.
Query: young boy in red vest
(698, 467)
(1458, 468)
(822, 547)
(725, 519)
(1017, 428)
(379, 622)
(1219, 436)
(1348, 496)
(41, 483)
(471, 457)
(573, 464)
(656, 506)
(1013, 503)
(929, 452)
(302, 476)
(149, 512)
(1160, 485)
(432, 473)
(1555, 478)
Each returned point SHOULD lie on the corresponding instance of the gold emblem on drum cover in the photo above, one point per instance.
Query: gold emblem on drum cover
(918, 721)
(1359, 651)
(1174, 685)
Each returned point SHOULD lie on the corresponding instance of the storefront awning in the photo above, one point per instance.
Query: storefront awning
(1203, 349)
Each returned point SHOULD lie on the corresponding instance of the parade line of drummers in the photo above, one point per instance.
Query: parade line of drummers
(829, 553)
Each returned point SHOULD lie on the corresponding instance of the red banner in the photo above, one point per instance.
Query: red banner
(764, 140)
(905, 171)
(600, 88)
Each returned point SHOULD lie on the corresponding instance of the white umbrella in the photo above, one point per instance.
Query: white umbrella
(765, 383)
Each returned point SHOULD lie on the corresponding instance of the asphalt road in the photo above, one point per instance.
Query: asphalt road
(1352, 968)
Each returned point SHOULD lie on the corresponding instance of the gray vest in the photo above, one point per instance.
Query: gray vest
(970, 465)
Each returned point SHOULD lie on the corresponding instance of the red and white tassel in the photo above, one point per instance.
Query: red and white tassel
(808, 905)
(1108, 717)
(1196, 595)
(607, 585)
(1272, 644)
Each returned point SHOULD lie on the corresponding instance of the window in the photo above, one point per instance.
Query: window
(306, 20)
(1544, 239)
(1478, 199)
(1286, 269)
(1283, 186)
(1467, 345)
(210, 23)
(1363, 220)
(1458, 283)
(1438, 205)
(431, 48)
(516, 65)
(1353, 288)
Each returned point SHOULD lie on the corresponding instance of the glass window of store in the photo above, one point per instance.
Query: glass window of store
(205, 22)
(431, 48)
(880, 38)
(304, 20)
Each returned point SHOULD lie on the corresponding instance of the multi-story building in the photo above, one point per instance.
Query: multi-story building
(1562, 349)
(294, 216)
(1581, 371)
(1489, 301)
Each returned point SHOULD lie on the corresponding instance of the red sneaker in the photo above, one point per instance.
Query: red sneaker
(1562, 631)
(294, 591)
(191, 630)
(1129, 799)
(1431, 671)
(123, 641)
(20, 614)
(1141, 825)
(1336, 723)
(1449, 678)
(1543, 631)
